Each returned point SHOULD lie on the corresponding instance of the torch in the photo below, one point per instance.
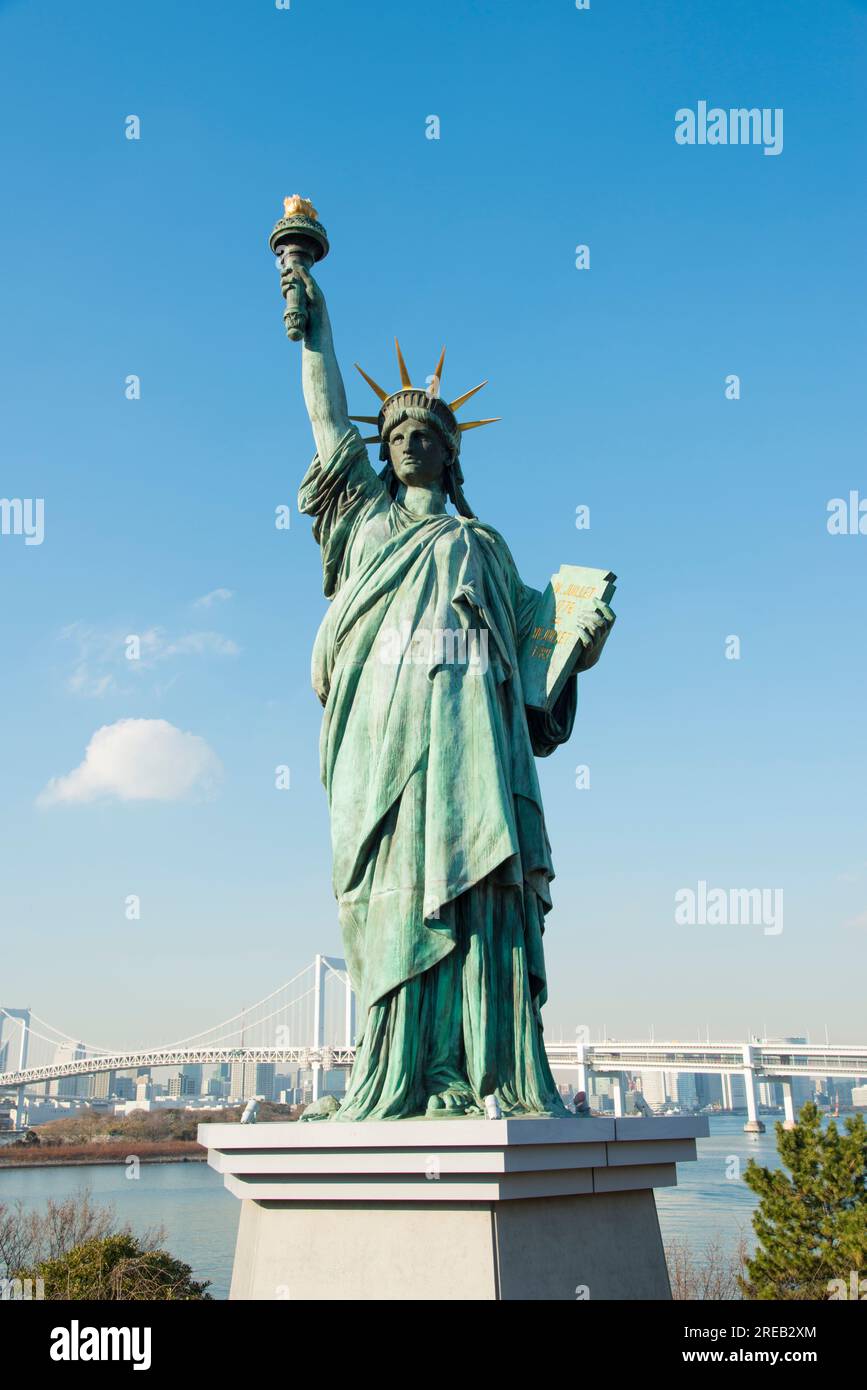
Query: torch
(298, 238)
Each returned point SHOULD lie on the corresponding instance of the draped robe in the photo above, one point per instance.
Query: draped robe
(442, 862)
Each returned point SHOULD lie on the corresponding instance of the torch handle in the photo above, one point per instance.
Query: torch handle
(295, 313)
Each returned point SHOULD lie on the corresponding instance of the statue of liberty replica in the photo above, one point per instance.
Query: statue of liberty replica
(424, 665)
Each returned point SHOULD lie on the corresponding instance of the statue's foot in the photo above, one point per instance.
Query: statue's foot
(324, 1109)
(455, 1100)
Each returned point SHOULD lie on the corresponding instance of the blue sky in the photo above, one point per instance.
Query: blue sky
(150, 257)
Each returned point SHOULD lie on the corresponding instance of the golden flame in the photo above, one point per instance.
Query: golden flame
(297, 206)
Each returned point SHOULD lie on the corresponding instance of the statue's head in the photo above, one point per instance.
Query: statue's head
(419, 436)
(418, 444)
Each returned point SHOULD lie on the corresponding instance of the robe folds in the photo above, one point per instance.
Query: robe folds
(441, 859)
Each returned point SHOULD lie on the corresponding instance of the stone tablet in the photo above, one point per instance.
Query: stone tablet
(549, 652)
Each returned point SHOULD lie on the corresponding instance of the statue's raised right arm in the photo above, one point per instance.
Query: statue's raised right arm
(324, 392)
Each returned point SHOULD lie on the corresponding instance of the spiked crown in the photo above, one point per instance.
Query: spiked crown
(422, 398)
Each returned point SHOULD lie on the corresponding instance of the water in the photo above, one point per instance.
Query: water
(188, 1200)
(200, 1217)
(708, 1204)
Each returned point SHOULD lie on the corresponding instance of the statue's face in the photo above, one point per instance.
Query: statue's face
(418, 454)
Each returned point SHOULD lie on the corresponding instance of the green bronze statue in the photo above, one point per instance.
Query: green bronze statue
(442, 864)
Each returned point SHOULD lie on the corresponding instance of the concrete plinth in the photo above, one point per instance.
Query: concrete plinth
(451, 1209)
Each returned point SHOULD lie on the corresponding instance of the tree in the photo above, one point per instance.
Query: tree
(710, 1274)
(76, 1248)
(811, 1222)
(28, 1236)
(117, 1268)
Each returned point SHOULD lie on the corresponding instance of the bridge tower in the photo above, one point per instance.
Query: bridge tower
(753, 1125)
(23, 1017)
(322, 967)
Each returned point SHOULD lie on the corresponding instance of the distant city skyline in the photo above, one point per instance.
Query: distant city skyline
(167, 1086)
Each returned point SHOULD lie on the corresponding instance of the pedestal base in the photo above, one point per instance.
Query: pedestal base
(605, 1246)
(450, 1209)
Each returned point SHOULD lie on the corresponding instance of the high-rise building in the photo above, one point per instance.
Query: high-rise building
(652, 1086)
(708, 1088)
(68, 1086)
(250, 1079)
(681, 1088)
(183, 1085)
(770, 1093)
(734, 1091)
(192, 1074)
(103, 1086)
(265, 1079)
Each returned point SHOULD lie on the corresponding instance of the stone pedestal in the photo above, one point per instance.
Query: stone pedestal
(451, 1208)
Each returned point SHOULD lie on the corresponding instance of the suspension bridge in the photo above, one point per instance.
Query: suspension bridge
(309, 1023)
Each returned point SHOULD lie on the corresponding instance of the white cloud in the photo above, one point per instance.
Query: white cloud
(155, 647)
(81, 682)
(137, 760)
(215, 596)
(101, 665)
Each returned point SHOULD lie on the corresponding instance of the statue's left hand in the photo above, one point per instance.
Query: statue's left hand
(597, 626)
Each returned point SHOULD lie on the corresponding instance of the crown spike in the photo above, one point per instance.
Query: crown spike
(438, 375)
(366, 419)
(383, 395)
(474, 424)
(371, 439)
(404, 374)
(453, 405)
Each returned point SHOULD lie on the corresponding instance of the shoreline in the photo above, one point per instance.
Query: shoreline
(103, 1160)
